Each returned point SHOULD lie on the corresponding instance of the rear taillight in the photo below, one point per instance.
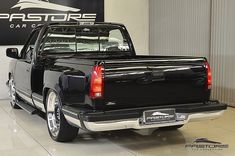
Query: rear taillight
(97, 82)
(209, 75)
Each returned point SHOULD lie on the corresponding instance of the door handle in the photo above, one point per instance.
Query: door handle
(27, 70)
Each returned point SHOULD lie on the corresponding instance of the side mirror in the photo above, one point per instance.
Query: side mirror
(12, 53)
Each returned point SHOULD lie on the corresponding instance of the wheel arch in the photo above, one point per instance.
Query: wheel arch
(51, 80)
(55, 89)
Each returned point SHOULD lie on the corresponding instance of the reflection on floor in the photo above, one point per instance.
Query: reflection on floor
(27, 135)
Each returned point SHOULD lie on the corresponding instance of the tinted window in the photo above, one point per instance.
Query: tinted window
(86, 39)
(27, 52)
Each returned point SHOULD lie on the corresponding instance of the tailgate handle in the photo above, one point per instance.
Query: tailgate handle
(150, 77)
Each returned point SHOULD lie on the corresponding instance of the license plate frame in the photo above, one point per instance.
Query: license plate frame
(159, 116)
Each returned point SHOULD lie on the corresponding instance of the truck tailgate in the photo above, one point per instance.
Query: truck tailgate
(151, 81)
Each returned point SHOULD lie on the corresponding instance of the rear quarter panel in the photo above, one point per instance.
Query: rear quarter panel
(70, 81)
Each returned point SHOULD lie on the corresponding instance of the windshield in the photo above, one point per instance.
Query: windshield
(84, 39)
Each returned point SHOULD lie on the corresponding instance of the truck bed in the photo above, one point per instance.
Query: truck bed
(143, 81)
(151, 81)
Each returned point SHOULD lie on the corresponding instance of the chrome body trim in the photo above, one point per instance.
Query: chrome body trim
(25, 96)
(36, 98)
(39, 105)
(69, 112)
(181, 119)
(72, 120)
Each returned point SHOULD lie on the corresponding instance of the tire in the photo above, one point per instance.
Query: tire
(59, 129)
(171, 128)
(12, 94)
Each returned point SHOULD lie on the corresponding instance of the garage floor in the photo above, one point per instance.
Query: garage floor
(21, 133)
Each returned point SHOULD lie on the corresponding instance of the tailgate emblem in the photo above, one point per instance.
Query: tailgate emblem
(111, 103)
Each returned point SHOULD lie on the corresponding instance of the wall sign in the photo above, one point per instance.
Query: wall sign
(19, 17)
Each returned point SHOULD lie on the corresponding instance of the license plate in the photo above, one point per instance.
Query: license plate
(159, 116)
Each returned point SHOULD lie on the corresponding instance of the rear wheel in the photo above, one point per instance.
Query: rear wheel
(58, 127)
(171, 128)
(12, 94)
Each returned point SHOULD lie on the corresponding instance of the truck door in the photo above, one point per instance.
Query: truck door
(22, 76)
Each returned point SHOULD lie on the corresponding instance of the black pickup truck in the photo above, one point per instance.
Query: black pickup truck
(89, 77)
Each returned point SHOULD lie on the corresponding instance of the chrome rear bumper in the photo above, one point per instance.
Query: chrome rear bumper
(181, 119)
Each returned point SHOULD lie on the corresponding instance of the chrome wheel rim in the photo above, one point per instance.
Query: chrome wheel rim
(53, 114)
(12, 91)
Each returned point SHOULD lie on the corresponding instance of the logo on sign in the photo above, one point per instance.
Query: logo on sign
(160, 116)
(19, 17)
(29, 4)
(200, 144)
(65, 16)
(159, 113)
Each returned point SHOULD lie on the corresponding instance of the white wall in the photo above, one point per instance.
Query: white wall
(135, 15)
(223, 50)
(180, 27)
(4, 64)
(199, 28)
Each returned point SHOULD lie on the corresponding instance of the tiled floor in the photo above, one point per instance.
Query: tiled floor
(25, 135)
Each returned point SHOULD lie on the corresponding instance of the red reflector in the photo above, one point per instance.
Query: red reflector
(97, 82)
(209, 75)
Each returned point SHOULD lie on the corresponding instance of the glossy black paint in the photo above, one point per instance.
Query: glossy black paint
(131, 81)
(12, 53)
(151, 80)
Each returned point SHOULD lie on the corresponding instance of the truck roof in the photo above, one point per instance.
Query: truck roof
(108, 24)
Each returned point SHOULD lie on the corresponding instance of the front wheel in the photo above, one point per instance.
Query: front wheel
(58, 127)
(12, 94)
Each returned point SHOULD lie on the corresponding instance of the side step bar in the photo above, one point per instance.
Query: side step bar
(26, 107)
